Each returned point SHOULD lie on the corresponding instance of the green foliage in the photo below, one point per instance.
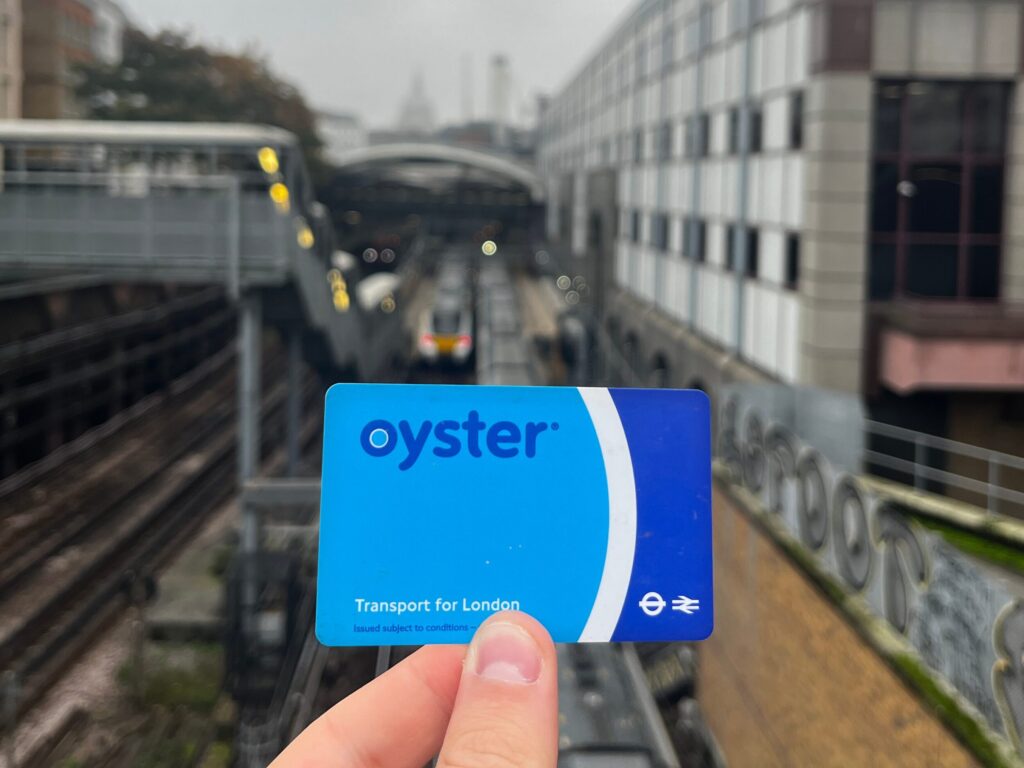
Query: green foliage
(977, 545)
(217, 756)
(171, 753)
(949, 711)
(169, 77)
(178, 677)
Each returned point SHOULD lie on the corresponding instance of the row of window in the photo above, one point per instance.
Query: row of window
(695, 244)
(610, 71)
(697, 136)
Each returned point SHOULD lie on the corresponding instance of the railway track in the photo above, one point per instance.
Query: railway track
(61, 382)
(35, 526)
(59, 592)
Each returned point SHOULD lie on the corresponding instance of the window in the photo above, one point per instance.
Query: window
(668, 44)
(641, 60)
(938, 189)
(705, 27)
(703, 134)
(753, 255)
(694, 231)
(638, 146)
(595, 231)
(796, 120)
(446, 321)
(691, 37)
(690, 129)
(634, 227)
(730, 248)
(746, 13)
(792, 276)
(751, 268)
(756, 10)
(665, 141)
(756, 127)
(659, 231)
(734, 130)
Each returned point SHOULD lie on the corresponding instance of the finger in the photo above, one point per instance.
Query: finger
(506, 712)
(397, 720)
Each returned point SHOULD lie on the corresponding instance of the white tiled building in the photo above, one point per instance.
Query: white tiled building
(10, 59)
(852, 217)
(109, 22)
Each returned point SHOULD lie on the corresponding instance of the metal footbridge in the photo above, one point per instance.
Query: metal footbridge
(186, 204)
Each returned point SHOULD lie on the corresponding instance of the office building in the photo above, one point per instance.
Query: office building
(815, 193)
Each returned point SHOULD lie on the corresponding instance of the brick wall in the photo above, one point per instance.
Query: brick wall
(786, 681)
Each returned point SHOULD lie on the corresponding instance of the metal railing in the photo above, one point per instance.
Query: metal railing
(163, 201)
(923, 452)
(204, 225)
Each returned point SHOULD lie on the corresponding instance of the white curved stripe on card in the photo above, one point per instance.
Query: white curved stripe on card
(618, 560)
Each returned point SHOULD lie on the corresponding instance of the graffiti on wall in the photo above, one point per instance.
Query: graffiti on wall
(960, 617)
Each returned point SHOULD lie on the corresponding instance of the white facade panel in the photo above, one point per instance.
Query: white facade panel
(772, 189)
(645, 286)
(945, 37)
(755, 215)
(711, 192)
(728, 202)
(789, 335)
(774, 64)
(714, 79)
(621, 263)
(715, 235)
(715, 301)
(772, 256)
(798, 46)
(758, 82)
(775, 128)
(793, 191)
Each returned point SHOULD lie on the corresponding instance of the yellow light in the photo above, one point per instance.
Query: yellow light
(268, 161)
(341, 300)
(387, 305)
(334, 276)
(281, 196)
(305, 237)
(489, 248)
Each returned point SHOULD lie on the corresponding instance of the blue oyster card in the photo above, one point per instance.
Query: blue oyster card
(588, 508)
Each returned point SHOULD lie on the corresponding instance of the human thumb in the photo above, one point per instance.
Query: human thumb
(506, 710)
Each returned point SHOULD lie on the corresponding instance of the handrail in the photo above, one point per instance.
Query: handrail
(943, 443)
(940, 475)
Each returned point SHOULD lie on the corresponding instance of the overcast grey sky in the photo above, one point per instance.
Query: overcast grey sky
(360, 55)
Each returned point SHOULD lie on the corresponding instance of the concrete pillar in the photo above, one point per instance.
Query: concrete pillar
(249, 354)
(294, 408)
(250, 342)
(834, 252)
